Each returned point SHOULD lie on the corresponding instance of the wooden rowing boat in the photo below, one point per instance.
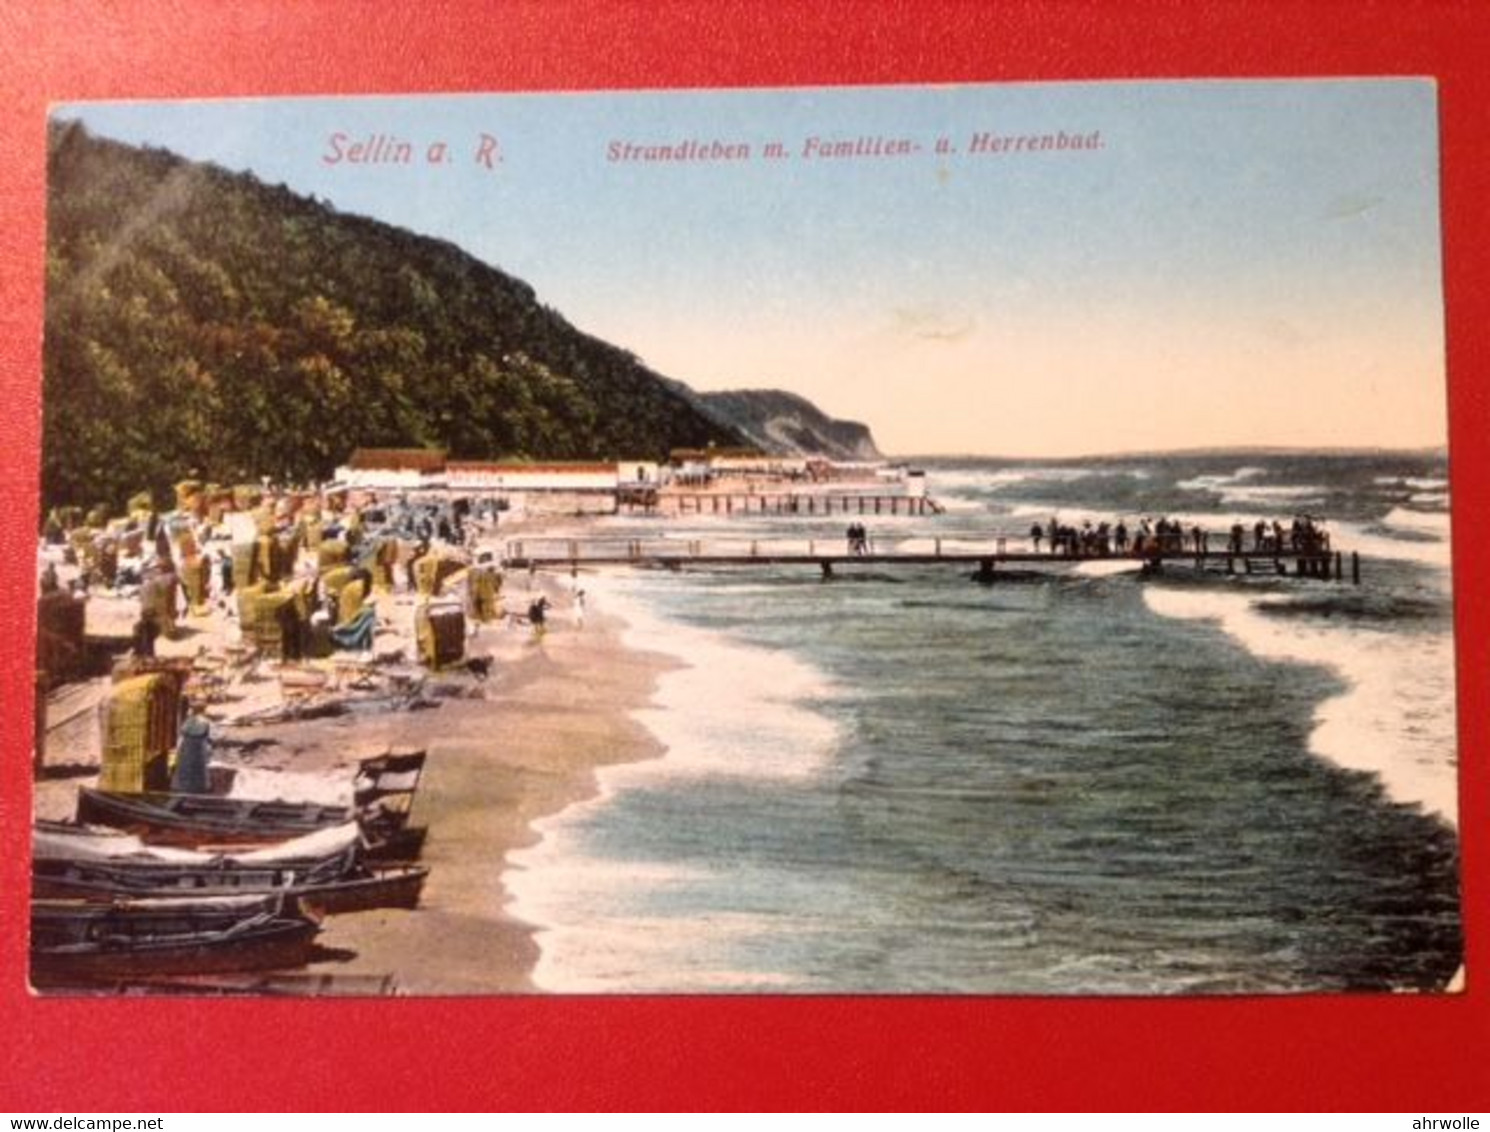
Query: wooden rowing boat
(82, 942)
(351, 888)
(206, 819)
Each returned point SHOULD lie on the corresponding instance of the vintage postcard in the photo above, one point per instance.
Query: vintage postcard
(939, 540)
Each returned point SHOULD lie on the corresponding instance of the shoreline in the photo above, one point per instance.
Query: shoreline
(551, 714)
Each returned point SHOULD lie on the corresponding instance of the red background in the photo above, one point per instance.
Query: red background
(1368, 1052)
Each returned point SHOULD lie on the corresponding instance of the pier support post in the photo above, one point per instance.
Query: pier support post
(985, 570)
(1355, 568)
(1339, 573)
(827, 569)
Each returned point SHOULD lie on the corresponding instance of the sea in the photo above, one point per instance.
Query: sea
(1074, 781)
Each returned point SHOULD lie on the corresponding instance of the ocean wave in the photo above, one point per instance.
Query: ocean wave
(730, 711)
(1220, 482)
(1427, 546)
(1418, 483)
(725, 698)
(1430, 500)
(1395, 719)
(1435, 523)
(1267, 495)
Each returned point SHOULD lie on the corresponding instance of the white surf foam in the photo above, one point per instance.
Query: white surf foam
(1396, 716)
(1369, 543)
(1419, 483)
(1221, 482)
(1435, 523)
(731, 711)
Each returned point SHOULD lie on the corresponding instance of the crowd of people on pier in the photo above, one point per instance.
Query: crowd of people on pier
(1305, 535)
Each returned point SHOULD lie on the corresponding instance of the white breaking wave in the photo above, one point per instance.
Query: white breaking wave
(1217, 483)
(1369, 544)
(1270, 495)
(1240, 488)
(732, 711)
(1396, 718)
(1420, 483)
(1435, 523)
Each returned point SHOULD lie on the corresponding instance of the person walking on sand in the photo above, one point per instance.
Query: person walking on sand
(225, 573)
(579, 609)
(538, 618)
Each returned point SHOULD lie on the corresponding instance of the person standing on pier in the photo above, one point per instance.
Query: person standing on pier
(1036, 533)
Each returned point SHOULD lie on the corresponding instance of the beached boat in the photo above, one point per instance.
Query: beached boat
(361, 887)
(81, 941)
(323, 869)
(385, 785)
(206, 819)
(325, 852)
(242, 984)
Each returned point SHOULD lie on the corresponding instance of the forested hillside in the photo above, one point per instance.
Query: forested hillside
(201, 323)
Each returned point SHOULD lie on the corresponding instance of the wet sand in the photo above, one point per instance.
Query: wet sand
(552, 713)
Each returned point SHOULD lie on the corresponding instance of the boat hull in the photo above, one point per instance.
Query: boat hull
(198, 820)
(363, 888)
(280, 944)
(134, 938)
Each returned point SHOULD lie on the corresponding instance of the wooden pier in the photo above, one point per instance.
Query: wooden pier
(785, 502)
(986, 557)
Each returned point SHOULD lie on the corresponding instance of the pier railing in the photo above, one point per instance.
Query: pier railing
(1313, 560)
(662, 547)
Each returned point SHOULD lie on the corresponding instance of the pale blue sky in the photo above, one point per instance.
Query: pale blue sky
(1239, 263)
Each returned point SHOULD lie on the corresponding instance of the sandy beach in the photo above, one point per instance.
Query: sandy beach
(504, 751)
